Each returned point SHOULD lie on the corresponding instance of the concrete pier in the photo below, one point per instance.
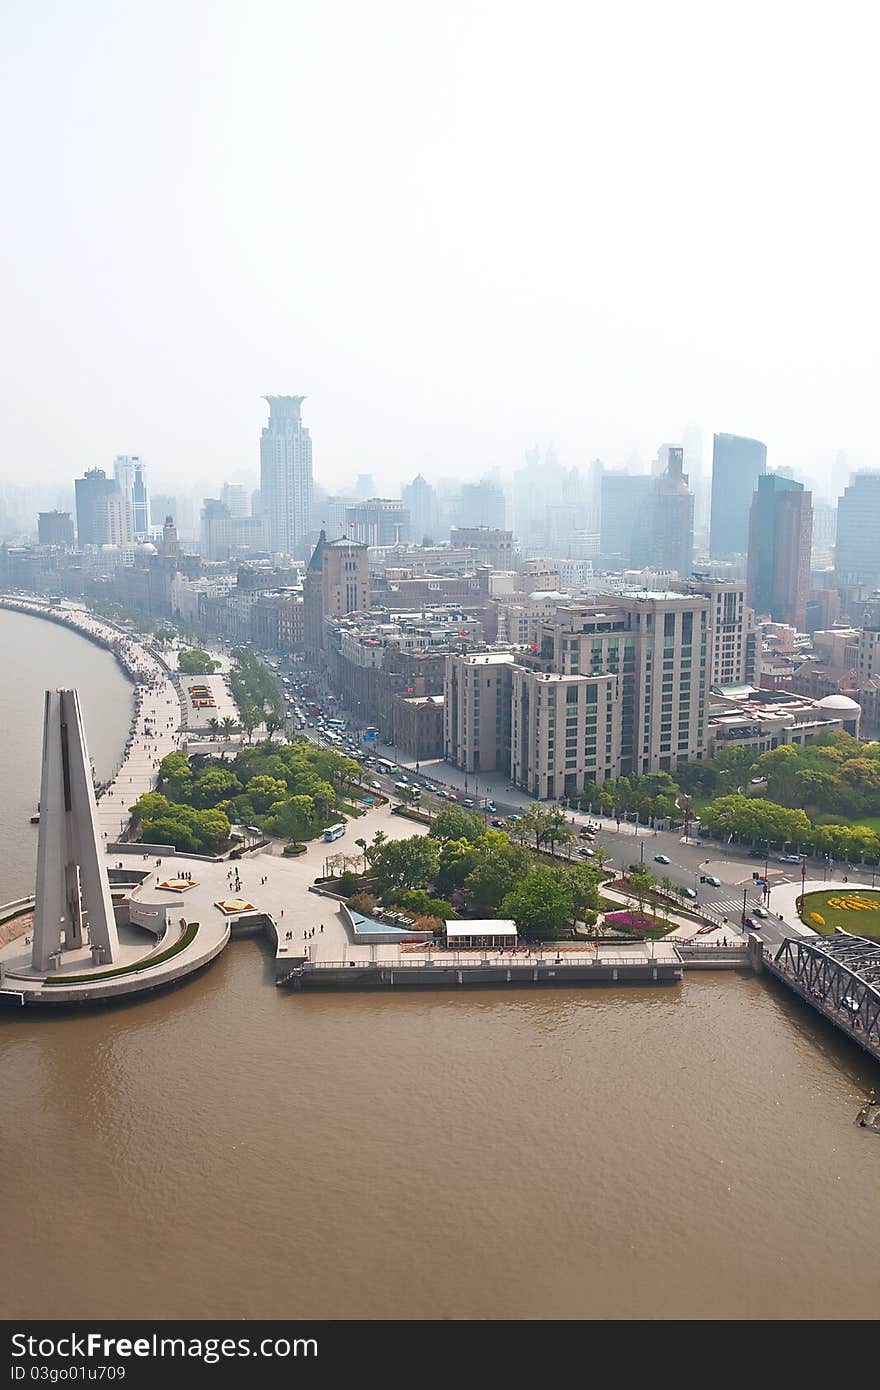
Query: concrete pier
(437, 974)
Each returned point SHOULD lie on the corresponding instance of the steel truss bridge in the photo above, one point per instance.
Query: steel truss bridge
(840, 976)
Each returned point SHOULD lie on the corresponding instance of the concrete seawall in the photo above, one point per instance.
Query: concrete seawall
(432, 975)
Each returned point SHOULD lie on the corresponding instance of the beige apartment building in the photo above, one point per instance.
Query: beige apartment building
(476, 711)
(734, 635)
(649, 653)
(566, 732)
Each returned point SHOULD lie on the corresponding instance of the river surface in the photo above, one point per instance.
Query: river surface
(228, 1149)
(35, 656)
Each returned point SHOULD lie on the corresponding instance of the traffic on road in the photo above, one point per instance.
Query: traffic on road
(716, 882)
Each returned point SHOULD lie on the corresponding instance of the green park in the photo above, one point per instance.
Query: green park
(855, 910)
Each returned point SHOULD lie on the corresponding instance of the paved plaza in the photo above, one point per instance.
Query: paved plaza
(198, 716)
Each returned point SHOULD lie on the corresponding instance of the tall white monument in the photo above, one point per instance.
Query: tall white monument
(73, 906)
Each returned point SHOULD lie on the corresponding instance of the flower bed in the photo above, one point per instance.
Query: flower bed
(638, 923)
(851, 909)
(630, 921)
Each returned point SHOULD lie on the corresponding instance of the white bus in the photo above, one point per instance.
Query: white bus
(333, 832)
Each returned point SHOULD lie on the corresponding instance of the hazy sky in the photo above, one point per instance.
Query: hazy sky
(458, 228)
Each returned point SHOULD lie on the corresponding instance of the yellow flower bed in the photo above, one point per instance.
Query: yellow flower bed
(852, 903)
(814, 917)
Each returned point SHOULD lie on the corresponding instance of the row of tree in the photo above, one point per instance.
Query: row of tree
(758, 821)
(256, 694)
(291, 791)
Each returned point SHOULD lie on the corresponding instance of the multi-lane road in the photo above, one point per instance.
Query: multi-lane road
(627, 844)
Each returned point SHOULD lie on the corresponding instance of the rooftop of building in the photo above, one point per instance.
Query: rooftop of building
(732, 705)
(489, 658)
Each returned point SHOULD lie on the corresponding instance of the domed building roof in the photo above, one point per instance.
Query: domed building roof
(147, 548)
(839, 704)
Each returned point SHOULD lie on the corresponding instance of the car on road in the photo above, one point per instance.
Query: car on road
(760, 912)
(376, 786)
(662, 859)
(498, 824)
(467, 802)
(751, 925)
(490, 806)
(586, 834)
(789, 858)
(587, 853)
(690, 893)
(715, 882)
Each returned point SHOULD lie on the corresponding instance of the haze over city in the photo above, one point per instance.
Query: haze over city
(458, 232)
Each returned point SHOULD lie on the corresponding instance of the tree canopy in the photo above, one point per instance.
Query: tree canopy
(194, 662)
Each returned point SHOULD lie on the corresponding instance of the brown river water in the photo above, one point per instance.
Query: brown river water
(228, 1149)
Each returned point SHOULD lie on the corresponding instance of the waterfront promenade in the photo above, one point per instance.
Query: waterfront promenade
(155, 729)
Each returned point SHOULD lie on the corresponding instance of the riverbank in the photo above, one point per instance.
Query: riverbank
(155, 728)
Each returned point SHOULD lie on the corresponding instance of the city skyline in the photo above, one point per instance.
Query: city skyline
(577, 314)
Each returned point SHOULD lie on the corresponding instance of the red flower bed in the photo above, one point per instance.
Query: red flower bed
(630, 921)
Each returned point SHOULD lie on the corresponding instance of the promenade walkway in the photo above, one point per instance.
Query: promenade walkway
(155, 728)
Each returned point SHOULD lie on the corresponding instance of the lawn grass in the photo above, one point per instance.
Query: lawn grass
(858, 920)
(872, 822)
(145, 963)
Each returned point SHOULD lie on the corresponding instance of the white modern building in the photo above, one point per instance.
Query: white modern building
(286, 475)
(130, 472)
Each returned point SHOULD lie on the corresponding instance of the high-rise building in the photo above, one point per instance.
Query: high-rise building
(337, 582)
(565, 731)
(420, 500)
(103, 512)
(734, 645)
(780, 534)
(216, 533)
(90, 493)
(286, 475)
(162, 504)
(379, 521)
(480, 504)
(625, 522)
(824, 535)
(364, 488)
(117, 520)
(235, 495)
(673, 516)
(130, 472)
(857, 552)
(477, 710)
(329, 514)
(55, 528)
(615, 686)
(737, 464)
